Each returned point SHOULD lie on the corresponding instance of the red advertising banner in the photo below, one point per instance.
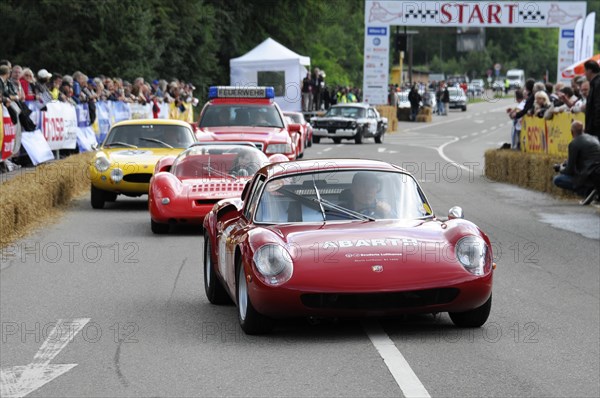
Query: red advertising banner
(8, 132)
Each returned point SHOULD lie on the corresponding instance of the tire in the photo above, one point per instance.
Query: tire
(358, 137)
(159, 228)
(473, 318)
(379, 138)
(309, 142)
(250, 320)
(337, 140)
(110, 196)
(98, 197)
(316, 140)
(464, 108)
(215, 292)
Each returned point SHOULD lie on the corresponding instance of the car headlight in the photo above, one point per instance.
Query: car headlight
(473, 254)
(279, 148)
(102, 163)
(116, 175)
(274, 264)
(353, 125)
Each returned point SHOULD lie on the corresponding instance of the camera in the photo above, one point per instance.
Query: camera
(556, 167)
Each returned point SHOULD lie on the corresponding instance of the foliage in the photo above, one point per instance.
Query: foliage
(195, 39)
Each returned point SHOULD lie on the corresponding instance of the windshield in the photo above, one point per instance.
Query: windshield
(353, 112)
(241, 115)
(219, 161)
(343, 195)
(150, 136)
(513, 77)
(295, 118)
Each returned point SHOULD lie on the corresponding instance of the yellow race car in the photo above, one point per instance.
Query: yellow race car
(125, 162)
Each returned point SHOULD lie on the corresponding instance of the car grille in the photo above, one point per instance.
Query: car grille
(367, 301)
(333, 124)
(218, 186)
(143, 178)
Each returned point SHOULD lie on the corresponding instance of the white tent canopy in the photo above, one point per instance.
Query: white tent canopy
(272, 64)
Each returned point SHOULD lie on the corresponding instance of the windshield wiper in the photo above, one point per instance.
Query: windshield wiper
(211, 169)
(319, 198)
(155, 140)
(121, 144)
(346, 211)
(320, 202)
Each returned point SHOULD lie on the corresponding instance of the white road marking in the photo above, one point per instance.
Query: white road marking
(479, 121)
(406, 379)
(484, 131)
(380, 150)
(440, 151)
(474, 134)
(19, 381)
(392, 151)
(464, 136)
(327, 149)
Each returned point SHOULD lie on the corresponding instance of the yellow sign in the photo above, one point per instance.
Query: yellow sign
(533, 134)
(559, 134)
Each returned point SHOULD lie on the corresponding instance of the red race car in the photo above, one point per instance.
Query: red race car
(248, 114)
(184, 189)
(343, 238)
(306, 132)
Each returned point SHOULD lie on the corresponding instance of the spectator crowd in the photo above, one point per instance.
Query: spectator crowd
(316, 95)
(19, 84)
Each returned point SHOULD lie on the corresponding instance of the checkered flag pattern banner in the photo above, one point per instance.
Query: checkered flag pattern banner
(531, 15)
(423, 14)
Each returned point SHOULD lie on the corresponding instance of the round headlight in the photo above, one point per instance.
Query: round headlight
(116, 175)
(102, 163)
(274, 264)
(472, 253)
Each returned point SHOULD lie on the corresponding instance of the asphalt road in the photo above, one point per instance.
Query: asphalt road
(140, 325)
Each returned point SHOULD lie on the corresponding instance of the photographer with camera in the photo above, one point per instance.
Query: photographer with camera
(581, 172)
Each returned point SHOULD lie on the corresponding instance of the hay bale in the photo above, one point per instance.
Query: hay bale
(35, 195)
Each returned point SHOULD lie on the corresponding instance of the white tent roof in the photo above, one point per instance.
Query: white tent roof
(269, 50)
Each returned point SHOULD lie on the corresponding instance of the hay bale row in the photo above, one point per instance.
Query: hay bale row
(34, 195)
(390, 113)
(527, 170)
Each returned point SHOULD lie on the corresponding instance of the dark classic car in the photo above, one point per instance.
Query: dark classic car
(350, 122)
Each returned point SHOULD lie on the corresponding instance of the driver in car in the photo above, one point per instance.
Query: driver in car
(363, 198)
(244, 164)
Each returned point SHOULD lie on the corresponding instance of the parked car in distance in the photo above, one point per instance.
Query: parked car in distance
(458, 98)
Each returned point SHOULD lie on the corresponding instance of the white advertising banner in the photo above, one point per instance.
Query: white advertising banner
(37, 147)
(566, 51)
(59, 125)
(381, 14)
(376, 65)
(587, 42)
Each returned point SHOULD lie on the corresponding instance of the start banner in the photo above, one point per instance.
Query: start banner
(559, 133)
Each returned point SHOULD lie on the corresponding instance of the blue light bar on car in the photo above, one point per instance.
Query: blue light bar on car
(240, 92)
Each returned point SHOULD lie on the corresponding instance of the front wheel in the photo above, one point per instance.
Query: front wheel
(250, 320)
(464, 108)
(159, 228)
(98, 197)
(316, 139)
(358, 137)
(473, 318)
(215, 292)
(379, 138)
(337, 140)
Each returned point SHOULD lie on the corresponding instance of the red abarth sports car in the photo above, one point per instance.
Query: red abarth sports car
(185, 188)
(343, 238)
(248, 114)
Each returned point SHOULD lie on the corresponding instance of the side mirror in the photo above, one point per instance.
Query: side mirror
(294, 127)
(455, 212)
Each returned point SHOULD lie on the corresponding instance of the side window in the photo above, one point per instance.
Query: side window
(372, 114)
(253, 198)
